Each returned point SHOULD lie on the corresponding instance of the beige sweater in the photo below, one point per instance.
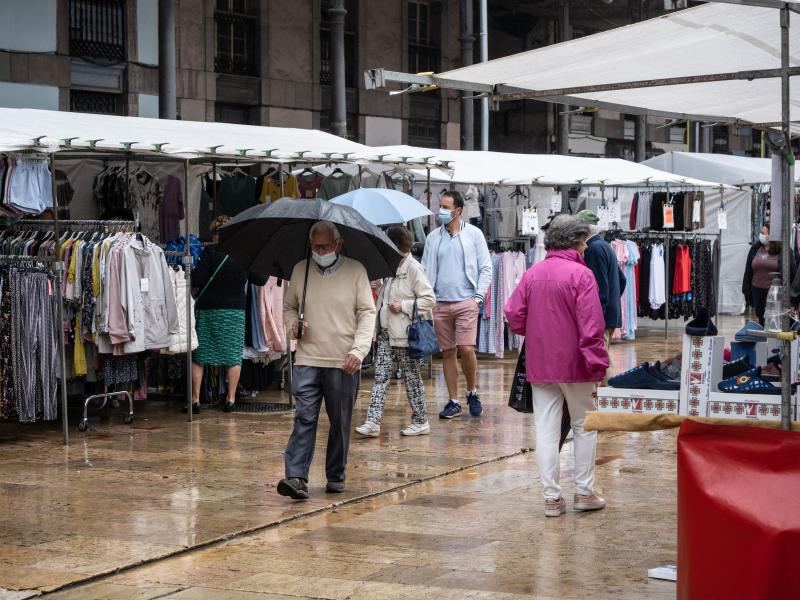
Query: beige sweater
(339, 312)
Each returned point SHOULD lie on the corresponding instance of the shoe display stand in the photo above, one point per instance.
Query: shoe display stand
(630, 401)
(758, 407)
(701, 372)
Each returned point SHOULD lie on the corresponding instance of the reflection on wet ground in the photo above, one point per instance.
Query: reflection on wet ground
(119, 496)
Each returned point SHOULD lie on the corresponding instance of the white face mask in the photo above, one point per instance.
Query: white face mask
(324, 260)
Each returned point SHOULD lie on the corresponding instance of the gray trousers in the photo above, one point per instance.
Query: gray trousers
(310, 386)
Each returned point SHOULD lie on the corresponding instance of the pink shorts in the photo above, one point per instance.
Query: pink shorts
(456, 323)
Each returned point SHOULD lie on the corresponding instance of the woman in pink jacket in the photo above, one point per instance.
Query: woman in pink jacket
(556, 306)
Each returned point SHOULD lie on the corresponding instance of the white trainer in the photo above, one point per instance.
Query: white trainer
(417, 429)
(369, 429)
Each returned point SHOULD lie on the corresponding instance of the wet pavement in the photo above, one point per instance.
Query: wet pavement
(457, 514)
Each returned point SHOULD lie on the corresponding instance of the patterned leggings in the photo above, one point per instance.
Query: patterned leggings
(385, 355)
(34, 346)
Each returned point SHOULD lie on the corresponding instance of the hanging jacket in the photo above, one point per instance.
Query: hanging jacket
(556, 307)
(147, 301)
(408, 284)
(179, 289)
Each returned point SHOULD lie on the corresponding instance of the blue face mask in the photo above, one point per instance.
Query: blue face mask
(445, 216)
(763, 239)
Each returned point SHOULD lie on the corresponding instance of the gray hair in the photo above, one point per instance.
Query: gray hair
(325, 227)
(565, 232)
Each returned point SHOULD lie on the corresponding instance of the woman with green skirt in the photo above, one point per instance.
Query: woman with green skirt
(219, 315)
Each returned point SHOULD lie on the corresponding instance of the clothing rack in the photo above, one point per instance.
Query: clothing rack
(87, 225)
(665, 237)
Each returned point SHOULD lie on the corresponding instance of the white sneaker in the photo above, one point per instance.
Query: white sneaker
(369, 429)
(417, 429)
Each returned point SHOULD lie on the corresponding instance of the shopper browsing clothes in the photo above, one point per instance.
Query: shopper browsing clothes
(338, 325)
(763, 263)
(557, 308)
(457, 262)
(602, 261)
(220, 315)
(395, 309)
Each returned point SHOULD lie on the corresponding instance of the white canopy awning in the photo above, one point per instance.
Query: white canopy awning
(732, 170)
(543, 169)
(19, 129)
(712, 39)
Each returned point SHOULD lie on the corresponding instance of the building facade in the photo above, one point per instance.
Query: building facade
(267, 62)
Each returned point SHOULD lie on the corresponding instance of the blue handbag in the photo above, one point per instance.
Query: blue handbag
(422, 340)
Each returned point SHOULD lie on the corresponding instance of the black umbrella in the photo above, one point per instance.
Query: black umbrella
(271, 240)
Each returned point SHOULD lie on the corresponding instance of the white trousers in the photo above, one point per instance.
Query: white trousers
(548, 400)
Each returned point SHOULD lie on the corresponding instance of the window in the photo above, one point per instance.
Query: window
(232, 113)
(424, 122)
(423, 50)
(85, 101)
(237, 40)
(97, 29)
(350, 56)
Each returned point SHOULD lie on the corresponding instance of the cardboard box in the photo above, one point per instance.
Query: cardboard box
(759, 407)
(650, 402)
(756, 352)
(701, 372)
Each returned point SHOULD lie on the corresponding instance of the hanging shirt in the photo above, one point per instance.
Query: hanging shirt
(658, 292)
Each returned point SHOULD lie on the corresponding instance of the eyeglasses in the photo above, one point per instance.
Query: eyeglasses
(324, 248)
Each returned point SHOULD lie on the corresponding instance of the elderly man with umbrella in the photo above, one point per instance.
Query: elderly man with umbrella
(329, 253)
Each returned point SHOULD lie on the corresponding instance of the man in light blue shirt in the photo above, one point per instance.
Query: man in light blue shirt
(457, 262)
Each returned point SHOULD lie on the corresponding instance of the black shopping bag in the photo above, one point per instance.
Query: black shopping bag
(521, 397)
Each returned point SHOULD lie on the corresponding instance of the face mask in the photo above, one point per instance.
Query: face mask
(445, 216)
(763, 239)
(324, 260)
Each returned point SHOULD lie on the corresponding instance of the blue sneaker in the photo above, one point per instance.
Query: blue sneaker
(450, 410)
(475, 407)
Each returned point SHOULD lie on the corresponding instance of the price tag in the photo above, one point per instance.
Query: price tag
(529, 223)
(669, 217)
(144, 285)
(696, 207)
(722, 218)
(604, 217)
(556, 203)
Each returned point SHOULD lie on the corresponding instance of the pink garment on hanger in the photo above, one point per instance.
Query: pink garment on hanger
(270, 307)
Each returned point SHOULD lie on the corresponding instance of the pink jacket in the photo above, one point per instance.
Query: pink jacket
(556, 306)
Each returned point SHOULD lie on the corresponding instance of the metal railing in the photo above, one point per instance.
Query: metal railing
(97, 29)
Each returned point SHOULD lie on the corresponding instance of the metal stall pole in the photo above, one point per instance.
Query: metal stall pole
(666, 282)
(187, 273)
(280, 180)
(58, 268)
(213, 187)
(787, 190)
(128, 184)
(428, 196)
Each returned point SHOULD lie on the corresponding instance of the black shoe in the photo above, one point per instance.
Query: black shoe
(701, 325)
(736, 367)
(229, 407)
(293, 487)
(195, 408)
(335, 487)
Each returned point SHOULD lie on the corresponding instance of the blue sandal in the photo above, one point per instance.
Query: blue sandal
(749, 382)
